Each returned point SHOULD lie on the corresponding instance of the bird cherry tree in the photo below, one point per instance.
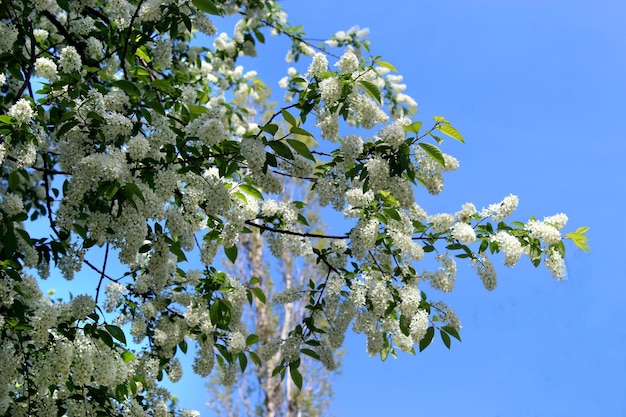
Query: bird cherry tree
(126, 150)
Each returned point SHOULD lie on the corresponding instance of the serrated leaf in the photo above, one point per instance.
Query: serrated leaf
(128, 87)
(288, 117)
(372, 90)
(281, 149)
(250, 190)
(231, 253)
(387, 65)
(579, 239)
(206, 6)
(142, 53)
(449, 130)
(428, 337)
(270, 128)
(300, 147)
(413, 127)
(434, 152)
(299, 131)
(116, 332)
(392, 214)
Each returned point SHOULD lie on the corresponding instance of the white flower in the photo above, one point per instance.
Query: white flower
(8, 36)
(556, 264)
(21, 111)
(348, 63)
(440, 223)
(12, 204)
(70, 60)
(330, 89)
(46, 68)
(486, 272)
(540, 230)
(558, 220)
(319, 65)
(510, 245)
(464, 233)
(502, 210)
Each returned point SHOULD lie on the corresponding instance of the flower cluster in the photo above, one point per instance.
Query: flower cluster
(144, 153)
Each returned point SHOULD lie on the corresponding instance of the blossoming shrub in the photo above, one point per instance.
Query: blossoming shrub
(125, 137)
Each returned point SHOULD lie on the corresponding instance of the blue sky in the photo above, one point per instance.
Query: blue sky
(538, 89)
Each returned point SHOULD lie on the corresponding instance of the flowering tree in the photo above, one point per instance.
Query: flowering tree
(122, 137)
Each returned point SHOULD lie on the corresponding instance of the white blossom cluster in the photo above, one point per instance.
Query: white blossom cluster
(145, 153)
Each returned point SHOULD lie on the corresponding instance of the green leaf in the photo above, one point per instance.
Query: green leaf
(289, 118)
(448, 130)
(270, 128)
(14, 180)
(299, 131)
(413, 128)
(281, 149)
(231, 253)
(252, 339)
(296, 376)
(106, 338)
(255, 358)
(131, 189)
(258, 293)
(452, 332)
(142, 53)
(446, 338)
(579, 239)
(434, 152)
(428, 337)
(127, 356)
(372, 90)
(243, 361)
(300, 147)
(311, 353)
(392, 213)
(67, 127)
(128, 87)
(250, 190)
(387, 65)
(6, 119)
(206, 6)
(116, 332)
(64, 4)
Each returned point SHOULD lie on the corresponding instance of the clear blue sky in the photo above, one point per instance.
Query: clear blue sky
(538, 89)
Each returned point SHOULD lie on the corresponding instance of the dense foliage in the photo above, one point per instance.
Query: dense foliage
(124, 136)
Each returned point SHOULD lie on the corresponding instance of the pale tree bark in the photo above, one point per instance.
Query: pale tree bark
(260, 393)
